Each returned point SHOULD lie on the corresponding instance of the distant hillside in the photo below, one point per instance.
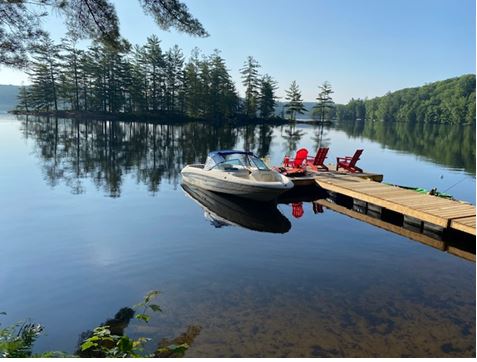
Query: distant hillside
(447, 101)
(8, 97)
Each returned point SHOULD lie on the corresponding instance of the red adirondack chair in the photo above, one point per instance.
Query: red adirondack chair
(317, 162)
(298, 161)
(349, 162)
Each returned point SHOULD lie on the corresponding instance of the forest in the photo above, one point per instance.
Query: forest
(448, 101)
(143, 80)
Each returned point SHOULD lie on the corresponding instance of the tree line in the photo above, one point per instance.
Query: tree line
(134, 79)
(448, 101)
(115, 77)
(148, 80)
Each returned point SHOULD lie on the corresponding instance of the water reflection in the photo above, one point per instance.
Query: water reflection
(105, 152)
(449, 145)
(292, 137)
(226, 210)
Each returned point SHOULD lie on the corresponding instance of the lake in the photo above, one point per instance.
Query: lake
(93, 216)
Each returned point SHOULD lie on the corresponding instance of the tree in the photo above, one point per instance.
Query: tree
(325, 102)
(174, 63)
(223, 96)
(71, 72)
(24, 97)
(20, 25)
(154, 62)
(192, 88)
(295, 103)
(267, 98)
(45, 73)
(250, 81)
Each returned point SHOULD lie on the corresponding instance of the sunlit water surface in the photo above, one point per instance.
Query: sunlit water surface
(93, 216)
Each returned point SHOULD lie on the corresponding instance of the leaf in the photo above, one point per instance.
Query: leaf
(151, 295)
(143, 317)
(155, 308)
(125, 345)
(88, 344)
(140, 342)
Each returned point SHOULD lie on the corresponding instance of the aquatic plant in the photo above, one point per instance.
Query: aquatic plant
(107, 340)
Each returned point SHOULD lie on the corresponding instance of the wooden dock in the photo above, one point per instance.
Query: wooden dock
(454, 248)
(426, 208)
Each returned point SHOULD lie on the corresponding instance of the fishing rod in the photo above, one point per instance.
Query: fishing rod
(458, 182)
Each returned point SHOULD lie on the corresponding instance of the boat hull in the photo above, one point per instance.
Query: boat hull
(226, 183)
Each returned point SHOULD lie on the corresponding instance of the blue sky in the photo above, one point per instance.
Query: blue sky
(364, 48)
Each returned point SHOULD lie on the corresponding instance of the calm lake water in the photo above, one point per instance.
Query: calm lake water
(93, 216)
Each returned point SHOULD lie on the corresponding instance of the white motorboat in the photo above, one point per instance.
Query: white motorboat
(237, 173)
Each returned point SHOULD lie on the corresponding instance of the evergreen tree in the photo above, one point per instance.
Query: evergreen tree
(325, 102)
(155, 64)
(45, 74)
(24, 98)
(70, 88)
(267, 98)
(174, 62)
(223, 97)
(295, 103)
(251, 83)
(192, 88)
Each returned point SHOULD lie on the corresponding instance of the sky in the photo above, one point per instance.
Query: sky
(364, 48)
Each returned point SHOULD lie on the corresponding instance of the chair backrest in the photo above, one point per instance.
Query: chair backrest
(301, 156)
(320, 156)
(355, 157)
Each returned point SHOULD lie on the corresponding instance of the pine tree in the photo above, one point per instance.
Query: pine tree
(174, 62)
(155, 71)
(295, 103)
(70, 71)
(192, 88)
(45, 73)
(251, 83)
(24, 98)
(267, 98)
(223, 96)
(325, 102)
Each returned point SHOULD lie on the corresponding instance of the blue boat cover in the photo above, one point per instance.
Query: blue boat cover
(217, 157)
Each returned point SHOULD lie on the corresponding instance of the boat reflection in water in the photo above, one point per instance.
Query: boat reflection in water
(227, 210)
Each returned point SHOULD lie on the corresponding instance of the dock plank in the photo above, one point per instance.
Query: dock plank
(428, 208)
(466, 224)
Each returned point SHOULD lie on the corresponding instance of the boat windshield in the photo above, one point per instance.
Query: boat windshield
(239, 161)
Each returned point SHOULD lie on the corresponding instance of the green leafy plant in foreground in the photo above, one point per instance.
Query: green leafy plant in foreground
(104, 341)
(17, 340)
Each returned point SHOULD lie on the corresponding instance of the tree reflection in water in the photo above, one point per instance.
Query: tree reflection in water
(449, 145)
(106, 151)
